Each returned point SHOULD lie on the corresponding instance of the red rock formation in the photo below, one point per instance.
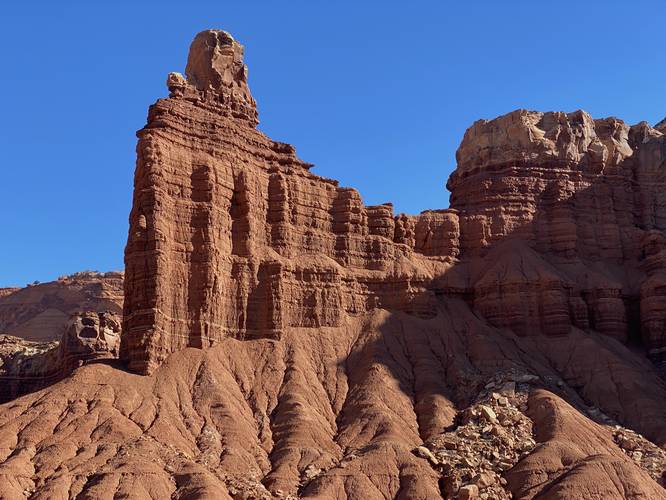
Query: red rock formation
(27, 366)
(578, 196)
(249, 242)
(350, 350)
(39, 312)
(231, 235)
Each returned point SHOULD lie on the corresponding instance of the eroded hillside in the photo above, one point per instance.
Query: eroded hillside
(282, 339)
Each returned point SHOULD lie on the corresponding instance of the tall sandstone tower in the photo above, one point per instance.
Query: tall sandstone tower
(230, 234)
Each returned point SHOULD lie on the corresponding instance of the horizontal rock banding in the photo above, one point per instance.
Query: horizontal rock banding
(232, 235)
(360, 353)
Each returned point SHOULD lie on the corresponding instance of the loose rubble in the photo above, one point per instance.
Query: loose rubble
(646, 454)
(492, 436)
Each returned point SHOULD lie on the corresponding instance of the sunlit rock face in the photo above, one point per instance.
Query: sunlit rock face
(232, 235)
(292, 342)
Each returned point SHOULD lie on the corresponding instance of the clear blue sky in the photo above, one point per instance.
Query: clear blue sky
(376, 94)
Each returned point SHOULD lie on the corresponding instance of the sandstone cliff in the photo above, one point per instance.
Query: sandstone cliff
(301, 344)
(231, 235)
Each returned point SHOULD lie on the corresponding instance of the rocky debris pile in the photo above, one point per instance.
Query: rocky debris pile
(4, 291)
(492, 436)
(646, 454)
(26, 366)
(249, 489)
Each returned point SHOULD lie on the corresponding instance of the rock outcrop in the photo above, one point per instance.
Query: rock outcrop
(27, 366)
(579, 201)
(40, 311)
(231, 235)
(549, 221)
(299, 344)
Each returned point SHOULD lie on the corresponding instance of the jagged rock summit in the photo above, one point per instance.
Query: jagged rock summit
(215, 66)
(284, 340)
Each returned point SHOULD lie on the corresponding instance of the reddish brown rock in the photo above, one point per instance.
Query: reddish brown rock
(27, 366)
(231, 235)
(40, 311)
(575, 459)
(252, 243)
(301, 344)
(559, 204)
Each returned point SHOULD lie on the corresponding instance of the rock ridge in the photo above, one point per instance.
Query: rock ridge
(284, 340)
(40, 311)
(231, 235)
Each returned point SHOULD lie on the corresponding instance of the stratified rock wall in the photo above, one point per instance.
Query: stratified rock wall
(232, 235)
(40, 311)
(582, 195)
(473, 352)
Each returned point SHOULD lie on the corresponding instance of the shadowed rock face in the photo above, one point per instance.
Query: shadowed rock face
(301, 344)
(27, 366)
(661, 126)
(579, 203)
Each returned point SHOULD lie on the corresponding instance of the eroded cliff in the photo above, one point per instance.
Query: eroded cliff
(231, 235)
(554, 224)
(301, 344)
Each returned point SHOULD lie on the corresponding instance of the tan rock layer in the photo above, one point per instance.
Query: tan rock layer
(40, 311)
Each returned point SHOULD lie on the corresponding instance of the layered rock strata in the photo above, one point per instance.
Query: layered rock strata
(232, 235)
(339, 412)
(40, 311)
(27, 366)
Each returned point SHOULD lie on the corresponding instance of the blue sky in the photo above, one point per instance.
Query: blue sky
(376, 94)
